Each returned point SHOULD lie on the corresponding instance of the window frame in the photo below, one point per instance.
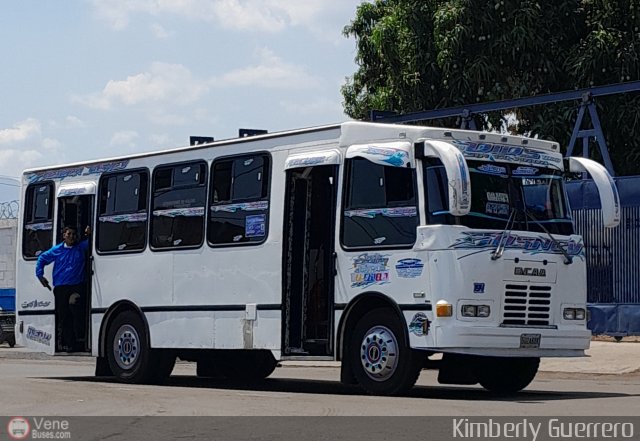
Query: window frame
(346, 181)
(268, 173)
(152, 191)
(52, 200)
(103, 177)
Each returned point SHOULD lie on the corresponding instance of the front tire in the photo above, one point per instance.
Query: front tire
(504, 375)
(379, 354)
(128, 350)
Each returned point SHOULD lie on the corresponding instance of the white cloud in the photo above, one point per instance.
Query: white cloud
(241, 15)
(21, 131)
(161, 140)
(70, 122)
(125, 138)
(321, 106)
(160, 32)
(271, 72)
(22, 146)
(171, 83)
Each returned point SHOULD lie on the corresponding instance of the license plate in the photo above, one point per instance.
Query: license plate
(530, 341)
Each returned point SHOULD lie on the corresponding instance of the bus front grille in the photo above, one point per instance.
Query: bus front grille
(528, 305)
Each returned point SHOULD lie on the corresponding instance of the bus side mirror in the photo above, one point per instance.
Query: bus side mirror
(609, 198)
(457, 172)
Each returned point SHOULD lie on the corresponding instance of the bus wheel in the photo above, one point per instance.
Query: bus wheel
(382, 362)
(506, 375)
(127, 349)
(248, 365)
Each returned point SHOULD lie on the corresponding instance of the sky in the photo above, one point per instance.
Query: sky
(89, 79)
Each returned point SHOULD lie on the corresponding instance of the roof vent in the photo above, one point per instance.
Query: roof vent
(197, 140)
(244, 133)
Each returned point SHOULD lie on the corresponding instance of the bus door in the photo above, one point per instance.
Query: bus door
(309, 253)
(75, 209)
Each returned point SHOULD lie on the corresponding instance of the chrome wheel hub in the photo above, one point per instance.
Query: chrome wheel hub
(126, 347)
(379, 353)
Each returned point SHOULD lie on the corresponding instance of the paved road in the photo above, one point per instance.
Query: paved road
(67, 387)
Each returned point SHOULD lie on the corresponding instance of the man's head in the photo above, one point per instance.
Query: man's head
(69, 235)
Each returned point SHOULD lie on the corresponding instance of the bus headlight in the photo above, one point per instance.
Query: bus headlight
(574, 314)
(476, 311)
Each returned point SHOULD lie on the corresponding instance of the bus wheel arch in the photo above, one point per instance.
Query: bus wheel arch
(111, 313)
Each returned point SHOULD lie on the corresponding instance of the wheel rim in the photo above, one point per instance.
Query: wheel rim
(126, 347)
(379, 353)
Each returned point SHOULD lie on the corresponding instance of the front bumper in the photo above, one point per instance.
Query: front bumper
(505, 341)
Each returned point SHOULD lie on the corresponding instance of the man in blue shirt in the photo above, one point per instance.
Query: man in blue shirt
(68, 258)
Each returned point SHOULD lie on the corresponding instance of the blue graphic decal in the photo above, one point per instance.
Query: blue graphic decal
(478, 287)
(255, 226)
(118, 218)
(409, 268)
(386, 212)
(526, 171)
(77, 171)
(38, 336)
(243, 206)
(420, 324)
(508, 153)
(530, 245)
(175, 212)
(493, 169)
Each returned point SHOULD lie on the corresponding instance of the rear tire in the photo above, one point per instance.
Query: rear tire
(127, 349)
(379, 354)
(504, 375)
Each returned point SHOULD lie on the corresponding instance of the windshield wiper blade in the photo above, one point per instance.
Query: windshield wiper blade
(568, 259)
(497, 253)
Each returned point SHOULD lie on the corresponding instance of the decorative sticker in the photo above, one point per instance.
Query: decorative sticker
(118, 218)
(409, 268)
(370, 269)
(495, 208)
(244, 206)
(386, 212)
(478, 287)
(493, 169)
(42, 226)
(255, 225)
(95, 169)
(385, 156)
(508, 153)
(525, 171)
(420, 324)
(35, 304)
(175, 212)
(39, 336)
(498, 197)
(529, 245)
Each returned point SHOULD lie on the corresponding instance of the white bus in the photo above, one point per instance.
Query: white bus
(377, 245)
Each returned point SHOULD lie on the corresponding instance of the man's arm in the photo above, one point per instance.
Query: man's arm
(44, 259)
(85, 243)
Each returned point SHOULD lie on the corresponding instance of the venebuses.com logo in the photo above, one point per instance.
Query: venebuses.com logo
(18, 428)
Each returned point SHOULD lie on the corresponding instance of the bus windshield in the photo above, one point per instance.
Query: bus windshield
(535, 195)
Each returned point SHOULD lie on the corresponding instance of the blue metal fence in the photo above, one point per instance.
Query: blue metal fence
(613, 257)
(7, 299)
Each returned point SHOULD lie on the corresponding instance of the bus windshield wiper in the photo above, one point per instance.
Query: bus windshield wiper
(567, 257)
(497, 253)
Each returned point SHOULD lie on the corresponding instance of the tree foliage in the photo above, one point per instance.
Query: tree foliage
(424, 54)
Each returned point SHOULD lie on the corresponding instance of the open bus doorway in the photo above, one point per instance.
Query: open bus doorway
(76, 212)
(309, 255)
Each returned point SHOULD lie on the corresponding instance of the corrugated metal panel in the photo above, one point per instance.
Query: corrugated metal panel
(613, 256)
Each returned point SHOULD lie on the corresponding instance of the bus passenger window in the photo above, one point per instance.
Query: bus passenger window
(179, 196)
(380, 208)
(37, 235)
(123, 212)
(239, 201)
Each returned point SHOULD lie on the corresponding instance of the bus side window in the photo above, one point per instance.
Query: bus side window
(380, 207)
(239, 200)
(37, 234)
(123, 212)
(179, 198)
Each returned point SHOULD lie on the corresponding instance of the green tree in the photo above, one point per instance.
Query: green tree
(423, 54)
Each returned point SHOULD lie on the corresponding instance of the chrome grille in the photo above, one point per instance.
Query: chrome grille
(527, 305)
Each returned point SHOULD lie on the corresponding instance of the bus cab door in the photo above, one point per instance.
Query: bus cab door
(309, 255)
(75, 209)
